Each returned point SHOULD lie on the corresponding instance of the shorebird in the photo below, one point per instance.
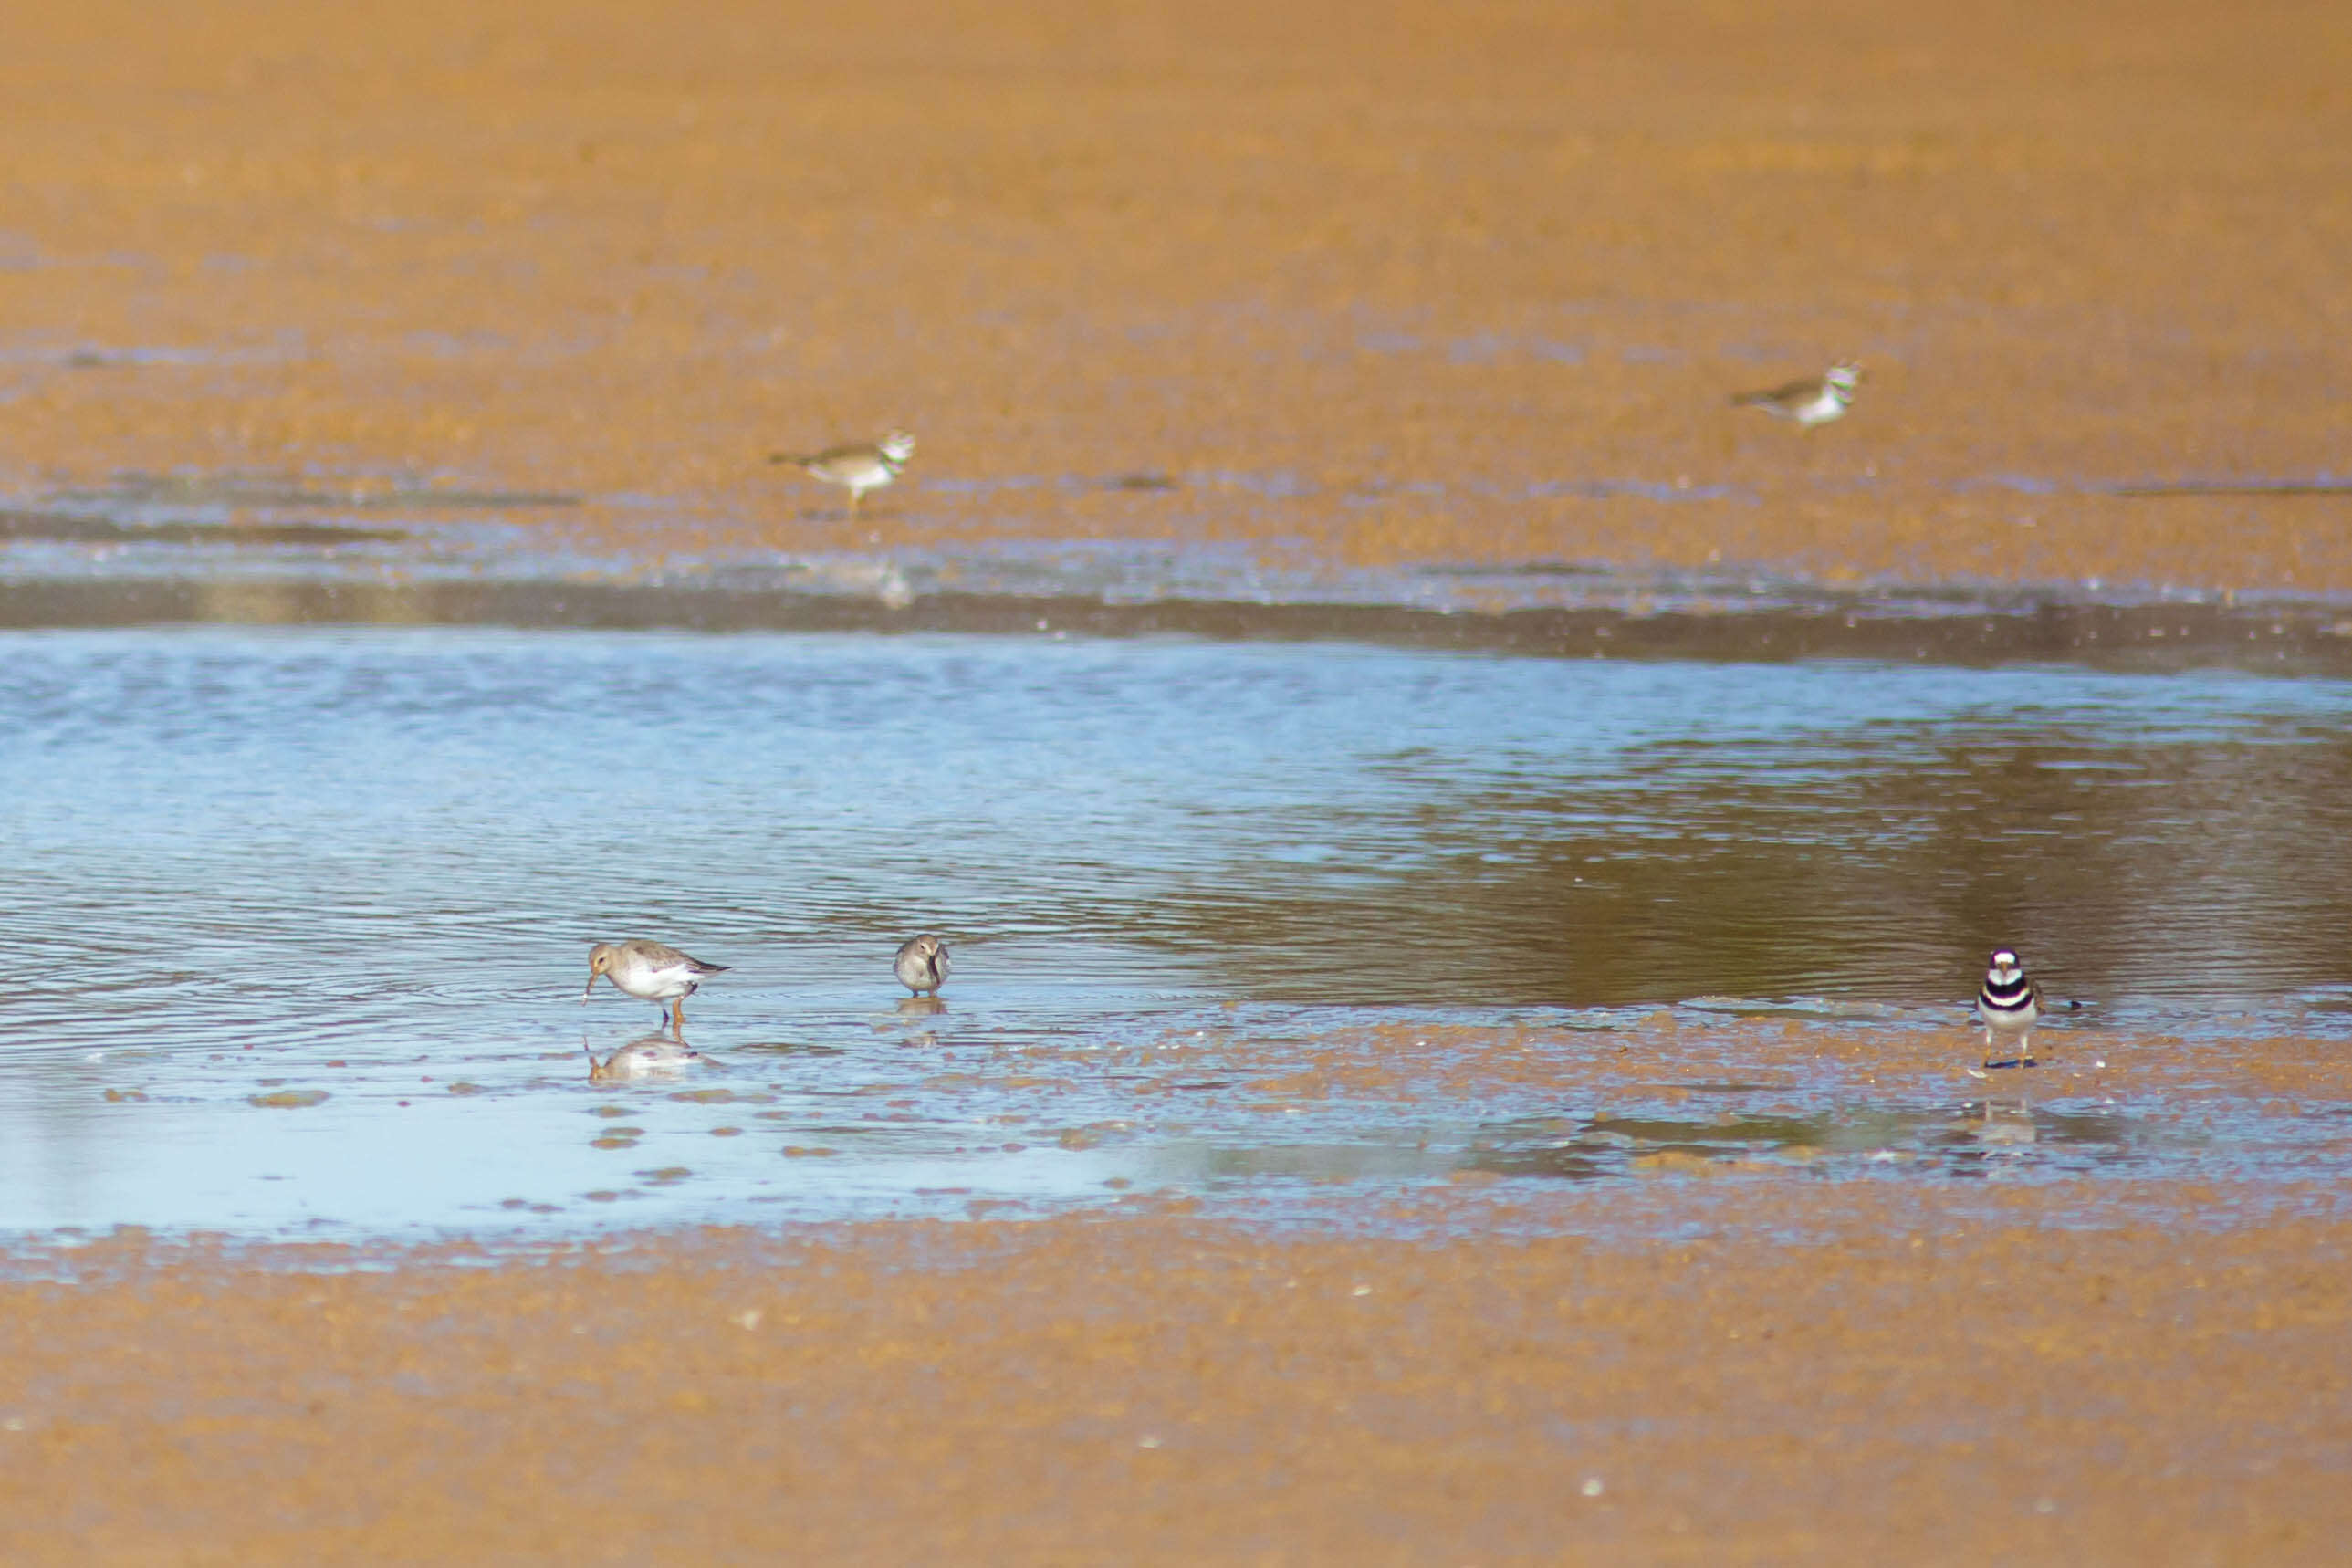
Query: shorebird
(923, 965)
(2007, 1004)
(1808, 403)
(651, 972)
(860, 467)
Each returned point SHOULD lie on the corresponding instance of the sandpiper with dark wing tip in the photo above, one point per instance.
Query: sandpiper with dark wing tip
(651, 972)
(923, 965)
(859, 466)
(2007, 1004)
(1808, 403)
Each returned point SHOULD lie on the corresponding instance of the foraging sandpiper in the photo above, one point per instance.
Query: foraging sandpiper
(923, 965)
(651, 972)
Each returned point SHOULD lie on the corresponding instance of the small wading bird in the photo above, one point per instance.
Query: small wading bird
(1808, 403)
(2007, 1004)
(860, 467)
(923, 965)
(651, 972)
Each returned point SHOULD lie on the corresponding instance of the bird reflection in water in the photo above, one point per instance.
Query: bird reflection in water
(656, 1055)
(1999, 1127)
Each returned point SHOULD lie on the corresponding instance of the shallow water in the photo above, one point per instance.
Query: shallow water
(248, 869)
(262, 550)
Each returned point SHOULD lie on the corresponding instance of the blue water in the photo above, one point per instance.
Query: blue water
(368, 864)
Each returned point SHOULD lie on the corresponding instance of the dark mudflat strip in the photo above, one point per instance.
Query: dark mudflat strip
(2297, 640)
(2240, 487)
(246, 490)
(75, 528)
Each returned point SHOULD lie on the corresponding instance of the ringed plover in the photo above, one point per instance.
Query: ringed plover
(1808, 403)
(859, 466)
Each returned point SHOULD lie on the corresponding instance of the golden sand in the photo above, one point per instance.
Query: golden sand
(1470, 282)
(1431, 283)
(1933, 1376)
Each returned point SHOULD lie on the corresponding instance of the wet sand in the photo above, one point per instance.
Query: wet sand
(1423, 285)
(1929, 1379)
(1718, 1357)
(1440, 284)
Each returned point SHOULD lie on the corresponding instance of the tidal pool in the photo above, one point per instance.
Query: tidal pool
(298, 918)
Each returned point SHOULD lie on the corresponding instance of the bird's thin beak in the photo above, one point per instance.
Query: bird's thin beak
(592, 986)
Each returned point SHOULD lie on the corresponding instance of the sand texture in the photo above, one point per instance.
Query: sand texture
(1701, 1357)
(1462, 282)
(1358, 285)
(1925, 1384)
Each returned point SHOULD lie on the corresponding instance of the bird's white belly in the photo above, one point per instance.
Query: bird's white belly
(658, 984)
(1820, 410)
(858, 475)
